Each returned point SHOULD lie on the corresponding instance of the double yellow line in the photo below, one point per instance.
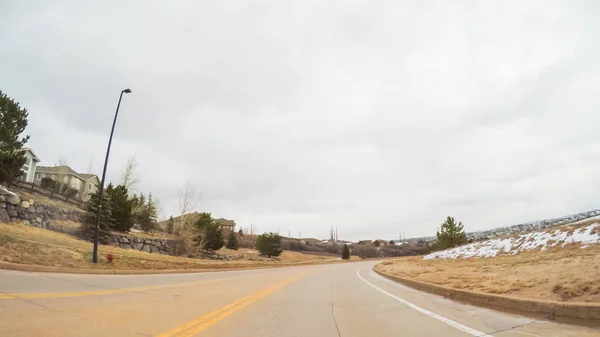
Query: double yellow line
(201, 323)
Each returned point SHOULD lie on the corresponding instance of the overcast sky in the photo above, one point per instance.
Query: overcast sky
(373, 116)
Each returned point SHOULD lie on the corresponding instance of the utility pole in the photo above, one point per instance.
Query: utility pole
(251, 229)
(289, 233)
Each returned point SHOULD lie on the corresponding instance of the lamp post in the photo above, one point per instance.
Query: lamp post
(101, 190)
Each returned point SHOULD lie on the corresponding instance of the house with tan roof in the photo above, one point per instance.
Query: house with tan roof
(85, 184)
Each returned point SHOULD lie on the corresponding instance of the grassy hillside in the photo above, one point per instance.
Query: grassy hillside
(30, 245)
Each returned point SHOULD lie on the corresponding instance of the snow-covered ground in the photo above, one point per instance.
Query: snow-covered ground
(510, 246)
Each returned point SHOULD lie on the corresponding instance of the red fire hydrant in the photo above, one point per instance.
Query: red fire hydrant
(110, 258)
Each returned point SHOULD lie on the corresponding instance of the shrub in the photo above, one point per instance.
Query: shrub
(365, 252)
(48, 183)
(269, 244)
(70, 192)
(290, 244)
(247, 241)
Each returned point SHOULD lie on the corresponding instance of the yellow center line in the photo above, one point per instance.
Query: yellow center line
(103, 292)
(201, 323)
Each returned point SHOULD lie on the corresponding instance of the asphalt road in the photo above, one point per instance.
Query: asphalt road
(323, 300)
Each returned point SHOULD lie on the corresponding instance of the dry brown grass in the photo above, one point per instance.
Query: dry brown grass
(66, 224)
(30, 245)
(44, 200)
(562, 274)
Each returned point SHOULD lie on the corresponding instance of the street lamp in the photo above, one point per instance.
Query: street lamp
(101, 190)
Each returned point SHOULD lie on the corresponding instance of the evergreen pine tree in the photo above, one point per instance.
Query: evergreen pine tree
(170, 225)
(121, 208)
(13, 121)
(345, 252)
(232, 242)
(88, 228)
(147, 215)
(213, 237)
(451, 234)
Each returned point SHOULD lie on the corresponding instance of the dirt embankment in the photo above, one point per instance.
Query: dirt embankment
(569, 273)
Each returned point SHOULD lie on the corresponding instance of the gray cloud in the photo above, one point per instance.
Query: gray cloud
(377, 117)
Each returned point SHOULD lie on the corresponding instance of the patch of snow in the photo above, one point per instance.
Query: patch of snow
(529, 241)
(4, 190)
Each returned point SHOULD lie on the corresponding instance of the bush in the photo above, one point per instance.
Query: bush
(48, 183)
(290, 244)
(346, 252)
(247, 241)
(365, 252)
(404, 250)
(232, 242)
(70, 192)
(269, 244)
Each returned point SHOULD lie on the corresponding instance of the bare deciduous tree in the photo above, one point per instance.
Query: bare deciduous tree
(129, 175)
(90, 169)
(184, 226)
(61, 174)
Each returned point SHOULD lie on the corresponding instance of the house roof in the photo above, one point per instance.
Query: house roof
(60, 169)
(88, 176)
(225, 222)
(33, 155)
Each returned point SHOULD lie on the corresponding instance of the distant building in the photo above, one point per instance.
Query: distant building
(30, 166)
(84, 184)
(225, 225)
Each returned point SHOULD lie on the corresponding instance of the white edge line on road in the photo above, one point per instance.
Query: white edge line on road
(442, 319)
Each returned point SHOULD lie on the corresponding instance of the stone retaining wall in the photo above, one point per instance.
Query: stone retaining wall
(13, 208)
(148, 245)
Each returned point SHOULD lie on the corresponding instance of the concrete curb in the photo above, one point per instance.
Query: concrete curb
(557, 309)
